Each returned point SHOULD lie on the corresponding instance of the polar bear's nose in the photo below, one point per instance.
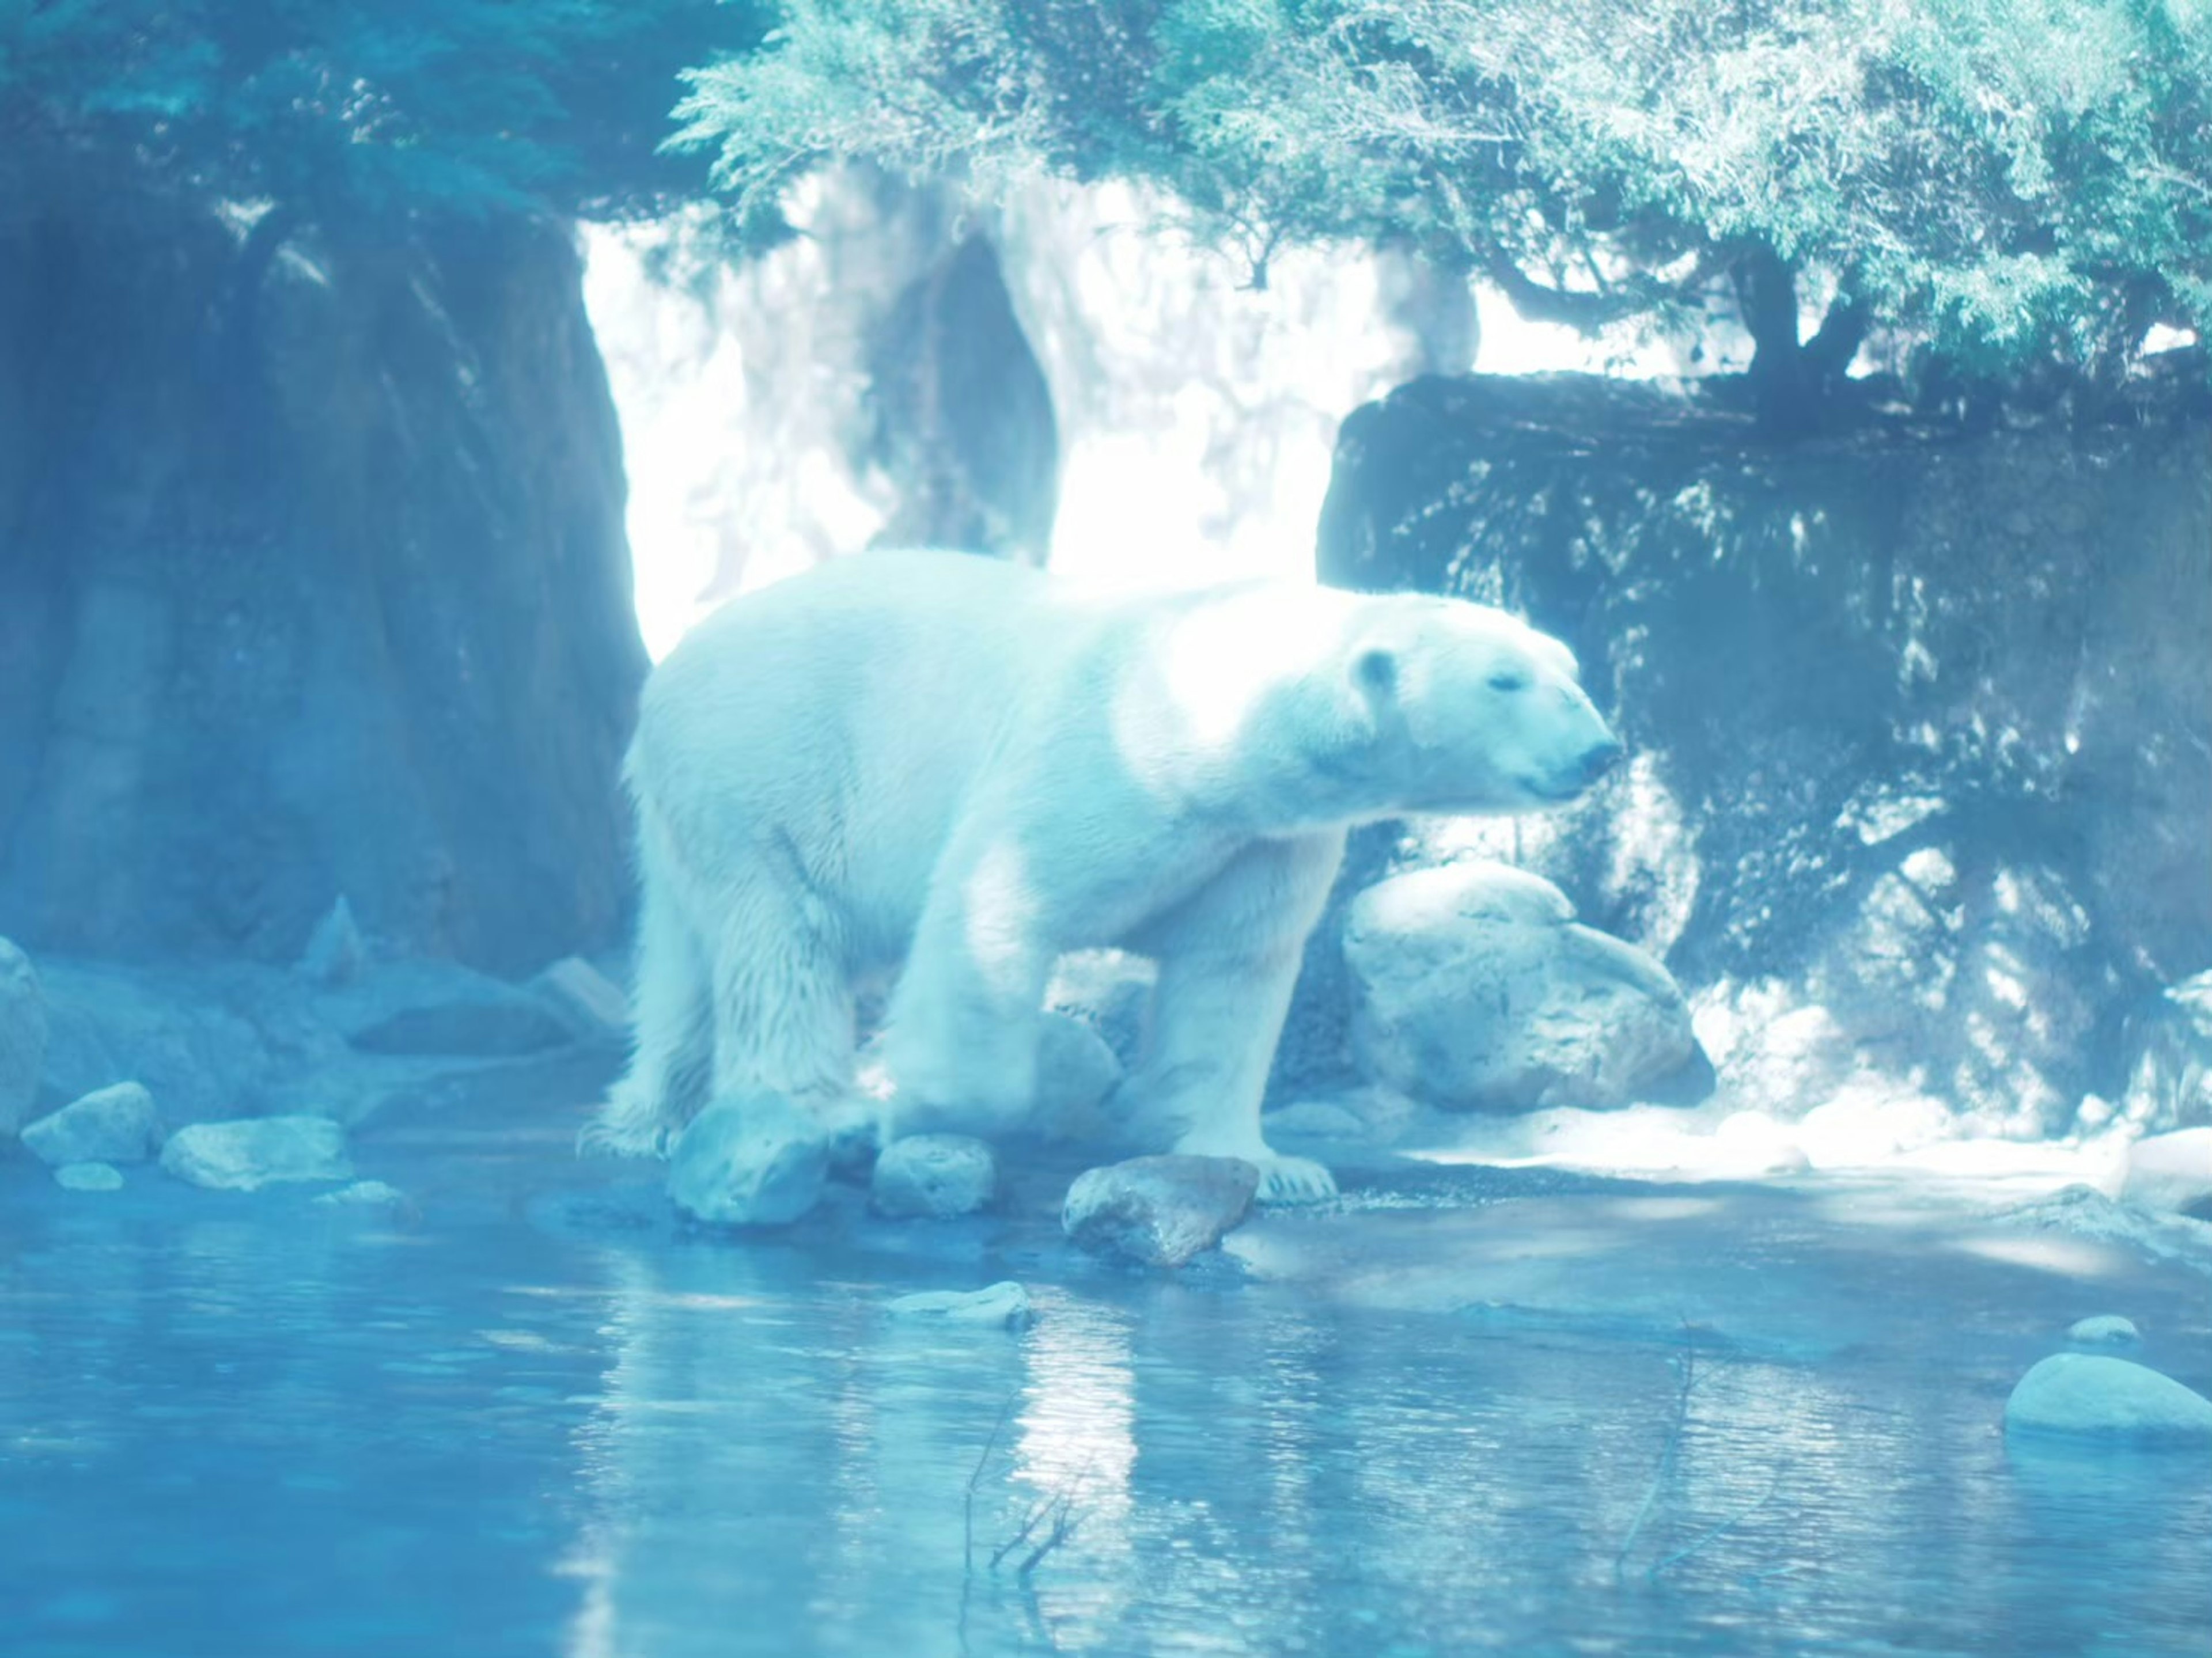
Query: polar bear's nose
(1599, 758)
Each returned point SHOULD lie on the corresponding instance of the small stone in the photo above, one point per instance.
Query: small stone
(934, 1177)
(593, 1004)
(2105, 1330)
(116, 1124)
(369, 1195)
(2087, 1395)
(1002, 1306)
(89, 1177)
(1159, 1210)
(248, 1153)
(756, 1161)
(335, 951)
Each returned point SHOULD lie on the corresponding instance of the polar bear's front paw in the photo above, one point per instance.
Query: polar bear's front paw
(1293, 1180)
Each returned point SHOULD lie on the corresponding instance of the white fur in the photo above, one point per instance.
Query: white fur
(945, 763)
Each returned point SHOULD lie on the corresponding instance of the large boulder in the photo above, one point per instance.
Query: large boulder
(115, 1124)
(759, 1160)
(22, 1036)
(2095, 1397)
(1920, 722)
(1475, 989)
(316, 583)
(247, 1153)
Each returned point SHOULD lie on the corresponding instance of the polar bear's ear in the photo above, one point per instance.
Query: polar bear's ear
(1375, 672)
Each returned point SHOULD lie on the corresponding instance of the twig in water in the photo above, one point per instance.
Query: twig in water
(1688, 1366)
(1652, 1573)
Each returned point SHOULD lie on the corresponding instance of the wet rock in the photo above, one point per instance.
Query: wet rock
(1159, 1210)
(2105, 1330)
(934, 1177)
(757, 1161)
(1001, 1306)
(592, 1005)
(22, 1036)
(247, 1153)
(2088, 1396)
(2172, 1172)
(89, 1177)
(335, 951)
(116, 1124)
(1473, 989)
(443, 1008)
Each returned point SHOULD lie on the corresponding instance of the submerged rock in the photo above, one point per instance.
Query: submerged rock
(1474, 989)
(1159, 1210)
(89, 1177)
(934, 1177)
(369, 1195)
(1001, 1306)
(757, 1161)
(23, 1034)
(248, 1153)
(115, 1124)
(2105, 1330)
(2090, 1395)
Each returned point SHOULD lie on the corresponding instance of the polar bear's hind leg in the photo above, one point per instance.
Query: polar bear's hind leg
(672, 1032)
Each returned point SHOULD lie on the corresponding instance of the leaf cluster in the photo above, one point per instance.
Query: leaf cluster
(2015, 179)
(354, 111)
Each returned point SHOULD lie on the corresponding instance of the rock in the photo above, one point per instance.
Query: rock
(2169, 1067)
(1473, 989)
(335, 951)
(1109, 990)
(2105, 1330)
(2172, 1172)
(1002, 1306)
(22, 1036)
(1077, 1072)
(116, 1124)
(934, 1177)
(443, 1008)
(2088, 1396)
(592, 1004)
(89, 1177)
(754, 1161)
(1159, 1210)
(369, 1196)
(248, 1153)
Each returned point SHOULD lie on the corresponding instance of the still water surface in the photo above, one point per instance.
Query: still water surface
(534, 1419)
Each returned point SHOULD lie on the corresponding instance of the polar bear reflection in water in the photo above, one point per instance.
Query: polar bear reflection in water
(955, 771)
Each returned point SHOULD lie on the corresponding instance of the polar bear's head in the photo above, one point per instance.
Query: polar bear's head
(1467, 709)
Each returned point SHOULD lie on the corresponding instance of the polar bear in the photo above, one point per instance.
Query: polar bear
(956, 769)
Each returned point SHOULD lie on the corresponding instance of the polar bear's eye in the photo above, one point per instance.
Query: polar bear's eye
(1509, 679)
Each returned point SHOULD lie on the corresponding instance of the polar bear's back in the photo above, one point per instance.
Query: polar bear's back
(838, 715)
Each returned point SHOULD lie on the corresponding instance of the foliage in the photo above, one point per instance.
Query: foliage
(347, 110)
(2015, 179)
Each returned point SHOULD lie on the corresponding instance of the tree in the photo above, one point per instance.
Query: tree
(2015, 181)
(352, 113)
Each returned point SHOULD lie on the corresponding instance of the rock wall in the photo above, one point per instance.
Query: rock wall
(1922, 722)
(314, 583)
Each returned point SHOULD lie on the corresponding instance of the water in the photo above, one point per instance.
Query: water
(536, 1419)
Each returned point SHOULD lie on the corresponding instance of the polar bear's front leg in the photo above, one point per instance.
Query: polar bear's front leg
(1229, 959)
(961, 1032)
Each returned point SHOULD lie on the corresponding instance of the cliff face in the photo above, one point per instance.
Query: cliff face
(313, 581)
(1922, 723)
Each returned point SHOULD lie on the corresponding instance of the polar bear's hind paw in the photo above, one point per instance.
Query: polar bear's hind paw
(1285, 1180)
